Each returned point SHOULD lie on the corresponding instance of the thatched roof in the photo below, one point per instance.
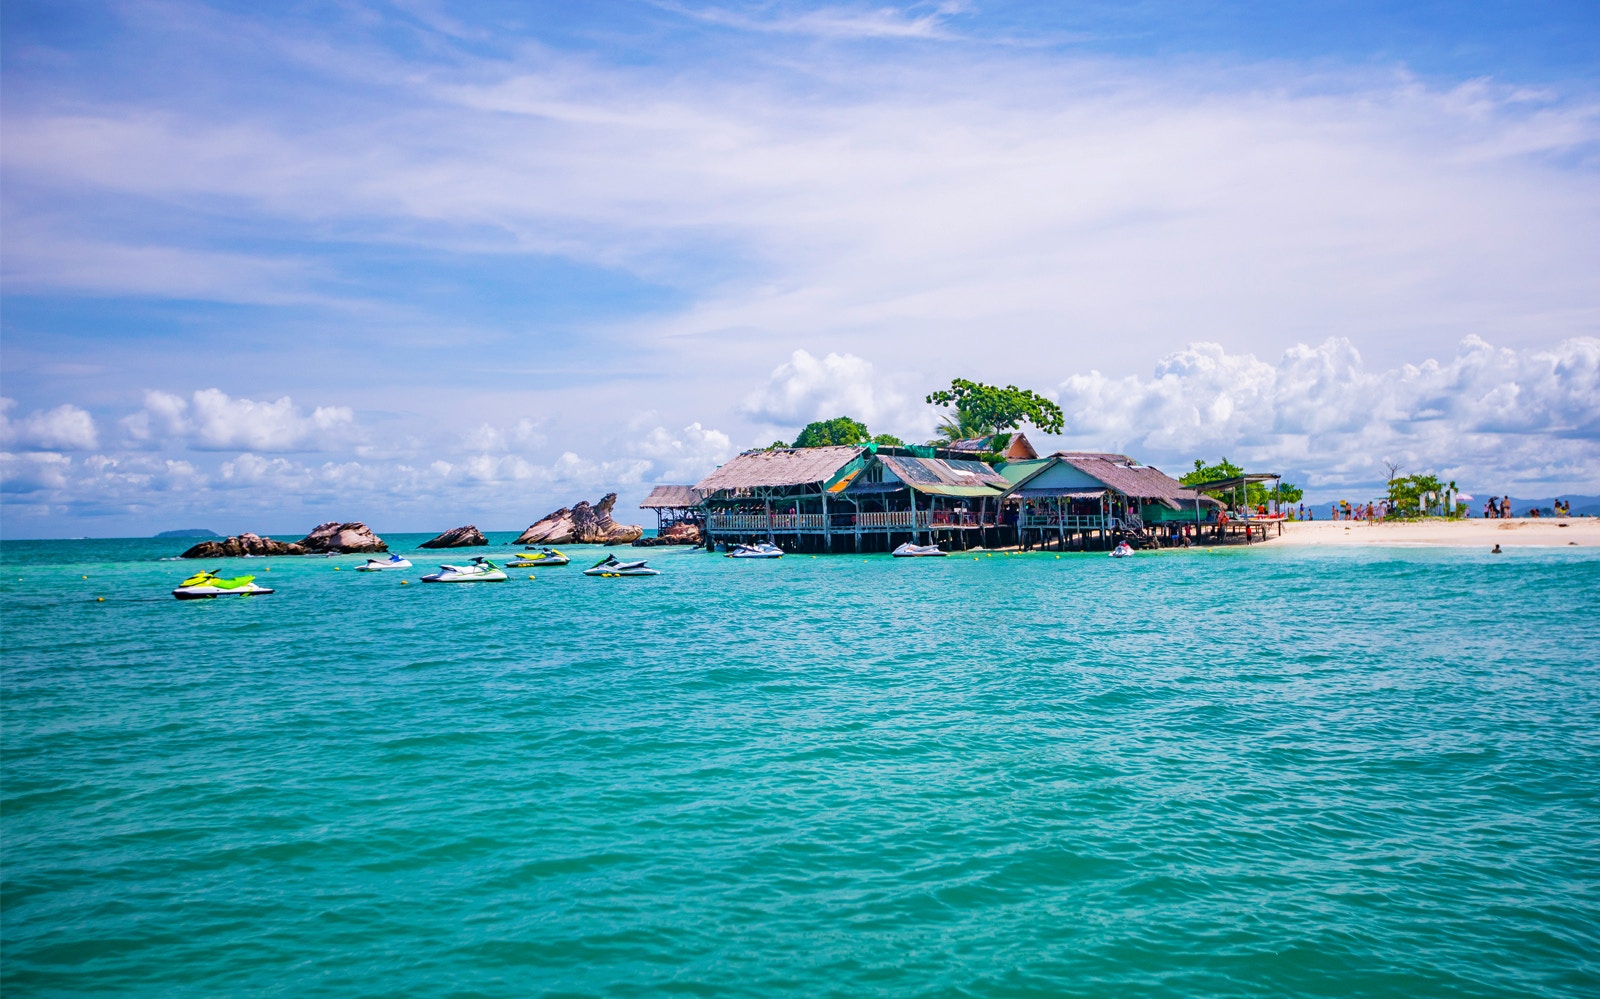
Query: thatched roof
(1018, 448)
(671, 498)
(778, 468)
(1117, 471)
(946, 476)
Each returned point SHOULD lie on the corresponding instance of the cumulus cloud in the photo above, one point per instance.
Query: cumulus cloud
(525, 433)
(64, 428)
(211, 420)
(686, 456)
(806, 388)
(1486, 414)
(25, 475)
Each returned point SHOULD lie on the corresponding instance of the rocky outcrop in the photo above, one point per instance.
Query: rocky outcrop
(677, 534)
(461, 537)
(244, 544)
(582, 525)
(336, 537)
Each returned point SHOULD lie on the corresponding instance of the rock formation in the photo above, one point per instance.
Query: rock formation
(581, 525)
(336, 537)
(244, 544)
(681, 533)
(460, 537)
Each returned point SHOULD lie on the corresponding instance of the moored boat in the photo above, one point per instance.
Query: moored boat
(544, 556)
(611, 566)
(909, 550)
(394, 561)
(480, 571)
(761, 549)
(205, 585)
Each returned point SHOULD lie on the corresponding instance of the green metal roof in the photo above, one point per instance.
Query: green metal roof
(1016, 471)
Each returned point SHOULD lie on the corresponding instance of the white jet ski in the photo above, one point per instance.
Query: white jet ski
(1123, 550)
(609, 566)
(394, 561)
(205, 585)
(909, 550)
(544, 556)
(760, 549)
(480, 571)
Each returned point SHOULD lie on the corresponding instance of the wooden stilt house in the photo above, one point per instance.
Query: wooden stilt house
(904, 497)
(782, 494)
(1088, 499)
(674, 505)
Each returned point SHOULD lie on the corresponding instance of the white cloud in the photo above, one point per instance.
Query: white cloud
(64, 428)
(685, 457)
(806, 388)
(34, 472)
(523, 434)
(211, 420)
(1485, 415)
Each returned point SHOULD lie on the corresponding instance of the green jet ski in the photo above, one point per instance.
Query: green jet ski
(205, 585)
(544, 556)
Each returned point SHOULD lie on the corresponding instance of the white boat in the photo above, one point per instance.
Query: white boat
(480, 571)
(610, 566)
(205, 585)
(909, 550)
(1123, 550)
(760, 549)
(544, 556)
(394, 561)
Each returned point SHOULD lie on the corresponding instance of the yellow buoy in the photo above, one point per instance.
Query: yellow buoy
(335, 568)
(402, 582)
(86, 577)
(100, 599)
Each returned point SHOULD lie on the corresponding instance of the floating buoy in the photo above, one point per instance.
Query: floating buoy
(100, 600)
(86, 577)
(402, 582)
(335, 568)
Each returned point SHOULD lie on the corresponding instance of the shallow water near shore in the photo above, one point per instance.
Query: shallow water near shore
(1263, 772)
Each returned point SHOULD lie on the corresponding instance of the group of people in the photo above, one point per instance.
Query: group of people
(1345, 510)
(1498, 508)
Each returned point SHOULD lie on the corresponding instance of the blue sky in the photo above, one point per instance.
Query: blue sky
(426, 264)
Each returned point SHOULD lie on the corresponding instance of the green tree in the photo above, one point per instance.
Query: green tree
(1256, 493)
(981, 410)
(841, 430)
(888, 440)
(1420, 496)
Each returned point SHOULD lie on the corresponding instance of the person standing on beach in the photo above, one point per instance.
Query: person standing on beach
(1505, 508)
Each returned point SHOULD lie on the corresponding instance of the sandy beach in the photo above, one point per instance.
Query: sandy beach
(1516, 533)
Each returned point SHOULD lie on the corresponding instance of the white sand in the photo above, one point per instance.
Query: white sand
(1520, 532)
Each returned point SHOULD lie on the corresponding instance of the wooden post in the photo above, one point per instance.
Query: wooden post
(827, 525)
(768, 502)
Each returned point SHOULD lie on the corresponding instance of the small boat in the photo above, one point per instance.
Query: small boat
(394, 561)
(544, 556)
(760, 549)
(205, 585)
(1123, 550)
(480, 571)
(610, 566)
(909, 550)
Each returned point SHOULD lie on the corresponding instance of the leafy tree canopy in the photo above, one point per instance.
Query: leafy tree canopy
(982, 410)
(888, 440)
(839, 431)
(1419, 496)
(1256, 493)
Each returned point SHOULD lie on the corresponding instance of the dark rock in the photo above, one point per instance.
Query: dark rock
(461, 537)
(677, 534)
(336, 537)
(244, 544)
(581, 525)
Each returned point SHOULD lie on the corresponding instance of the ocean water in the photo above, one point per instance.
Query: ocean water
(1247, 773)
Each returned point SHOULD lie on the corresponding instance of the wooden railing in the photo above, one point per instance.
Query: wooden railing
(760, 523)
(1069, 521)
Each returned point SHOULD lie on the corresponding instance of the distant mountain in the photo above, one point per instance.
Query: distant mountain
(189, 532)
(1581, 505)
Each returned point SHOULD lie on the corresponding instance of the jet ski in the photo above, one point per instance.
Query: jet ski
(761, 549)
(610, 566)
(544, 556)
(480, 571)
(1123, 550)
(394, 561)
(909, 550)
(205, 585)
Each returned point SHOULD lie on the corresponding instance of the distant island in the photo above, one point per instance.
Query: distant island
(189, 532)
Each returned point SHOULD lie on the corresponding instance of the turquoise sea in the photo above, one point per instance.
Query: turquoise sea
(1248, 773)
